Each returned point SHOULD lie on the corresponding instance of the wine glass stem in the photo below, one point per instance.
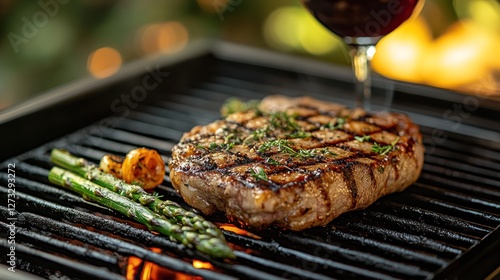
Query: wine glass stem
(361, 59)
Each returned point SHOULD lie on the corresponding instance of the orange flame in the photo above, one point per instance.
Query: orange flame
(144, 270)
(133, 267)
(237, 230)
(204, 265)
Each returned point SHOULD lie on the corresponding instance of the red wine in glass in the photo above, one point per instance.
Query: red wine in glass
(361, 24)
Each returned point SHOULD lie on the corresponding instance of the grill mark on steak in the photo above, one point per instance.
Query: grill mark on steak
(351, 182)
(340, 163)
(345, 163)
(218, 163)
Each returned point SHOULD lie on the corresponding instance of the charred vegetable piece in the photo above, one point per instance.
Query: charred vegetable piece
(112, 164)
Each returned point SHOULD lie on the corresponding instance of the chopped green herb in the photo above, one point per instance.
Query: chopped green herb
(283, 145)
(231, 135)
(334, 126)
(384, 150)
(306, 153)
(234, 105)
(381, 169)
(231, 138)
(299, 134)
(364, 138)
(314, 153)
(282, 120)
(200, 147)
(210, 147)
(272, 161)
(325, 152)
(213, 146)
(257, 135)
(260, 174)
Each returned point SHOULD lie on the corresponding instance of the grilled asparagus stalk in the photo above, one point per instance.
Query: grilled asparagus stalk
(169, 209)
(184, 234)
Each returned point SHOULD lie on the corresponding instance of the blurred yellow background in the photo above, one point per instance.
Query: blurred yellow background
(453, 44)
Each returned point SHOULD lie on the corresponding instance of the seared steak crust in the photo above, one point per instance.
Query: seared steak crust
(296, 162)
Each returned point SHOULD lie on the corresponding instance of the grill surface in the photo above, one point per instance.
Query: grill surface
(446, 225)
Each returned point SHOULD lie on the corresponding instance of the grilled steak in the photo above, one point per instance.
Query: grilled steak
(295, 162)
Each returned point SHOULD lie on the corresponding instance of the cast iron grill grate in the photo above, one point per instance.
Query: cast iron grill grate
(424, 232)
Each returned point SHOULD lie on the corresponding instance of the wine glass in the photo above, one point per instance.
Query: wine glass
(361, 24)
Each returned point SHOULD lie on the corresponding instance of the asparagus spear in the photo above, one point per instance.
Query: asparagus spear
(169, 209)
(154, 222)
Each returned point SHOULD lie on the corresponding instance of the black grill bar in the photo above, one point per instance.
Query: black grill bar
(68, 249)
(422, 229)
(149, 129)
(279, 267)
(426, 231)
(456, 210)
(384, 249)
(426, 216)
(458, 185)
(462, 167)
(338, 252)
(473, 161)
(456, 175)
(293, 256)
(71, 268)
(478, 203)
(134, 139)
(403, 239)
